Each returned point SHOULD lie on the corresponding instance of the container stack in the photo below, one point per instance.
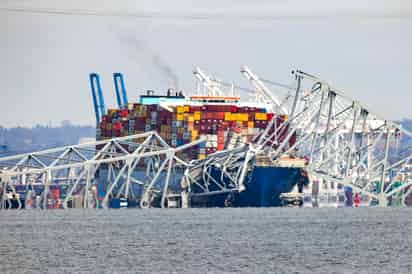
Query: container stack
(222, 126)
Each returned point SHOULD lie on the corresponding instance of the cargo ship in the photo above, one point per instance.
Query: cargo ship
(225, 123)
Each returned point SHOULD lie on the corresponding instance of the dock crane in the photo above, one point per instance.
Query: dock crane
(122, 101)
(263, 94)
(98, 100)
(212, 86)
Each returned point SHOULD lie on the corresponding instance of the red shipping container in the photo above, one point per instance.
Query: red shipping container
(195, 108)
(243, 109)
(219, 108)
(219, 115)
(220, 146)
(117, 126)
(124, 113)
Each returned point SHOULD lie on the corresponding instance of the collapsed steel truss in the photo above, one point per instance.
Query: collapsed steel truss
(144, 159)
(343, 141)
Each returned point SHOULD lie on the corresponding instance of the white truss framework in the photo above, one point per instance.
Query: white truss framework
(343, 141)
(142, 159)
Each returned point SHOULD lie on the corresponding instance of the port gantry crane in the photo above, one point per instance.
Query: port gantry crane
(211, 86)
(120, 89)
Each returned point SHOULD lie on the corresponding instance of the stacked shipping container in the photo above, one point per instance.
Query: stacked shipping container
(223, 126)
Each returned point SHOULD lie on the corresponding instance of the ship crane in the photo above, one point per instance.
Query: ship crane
(263, 94)
(212, 86)
(121, 98)
(98, 100)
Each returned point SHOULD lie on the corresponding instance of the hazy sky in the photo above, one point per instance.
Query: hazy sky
(47, 49)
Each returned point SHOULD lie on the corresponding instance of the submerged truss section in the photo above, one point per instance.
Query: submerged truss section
(138, 167)
(218, 173)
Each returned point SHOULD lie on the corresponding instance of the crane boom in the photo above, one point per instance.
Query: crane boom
(122, 100)
(211, 85)
(97, 95)
(262, 91)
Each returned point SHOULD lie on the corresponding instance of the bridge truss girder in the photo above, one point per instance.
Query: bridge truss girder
(79, 168)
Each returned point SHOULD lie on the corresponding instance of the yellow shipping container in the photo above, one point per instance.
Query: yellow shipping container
(190, 118)
(180, 109)
(260, 116)
(186, 108)
(194, 133)
(250, 125)
(179, 117)
(202, 156)
(229, 116)
(197, 116)
(242, 117)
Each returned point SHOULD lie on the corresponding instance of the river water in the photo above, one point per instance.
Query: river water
(247, 240)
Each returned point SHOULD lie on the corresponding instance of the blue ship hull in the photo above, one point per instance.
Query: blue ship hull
(263, 188)
(264, 184)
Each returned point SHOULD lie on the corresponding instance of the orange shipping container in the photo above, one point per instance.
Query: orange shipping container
(260, 116)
